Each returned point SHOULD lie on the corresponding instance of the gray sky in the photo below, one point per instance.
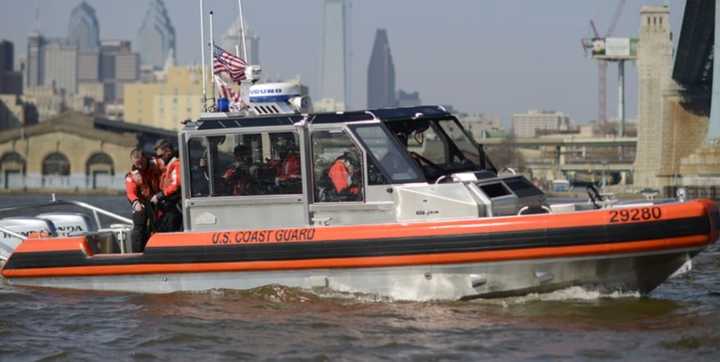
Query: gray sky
(492, 56)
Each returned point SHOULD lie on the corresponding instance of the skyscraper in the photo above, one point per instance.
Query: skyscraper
(156, 37)
(231, 38)
(381, 74)
(35, 61)
(7, 56)
(10, 80)
(335, 61)
(83, 29)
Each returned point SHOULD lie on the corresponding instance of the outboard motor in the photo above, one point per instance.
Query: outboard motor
(69, 224)
(23, 226)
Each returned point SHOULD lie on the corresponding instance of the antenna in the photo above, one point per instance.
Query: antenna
(37, 16)
(212, 52)
(242, 30)
(202, 54)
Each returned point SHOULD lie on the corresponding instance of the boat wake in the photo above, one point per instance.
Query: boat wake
(564, 295)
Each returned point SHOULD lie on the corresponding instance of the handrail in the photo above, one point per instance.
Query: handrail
(95, 209)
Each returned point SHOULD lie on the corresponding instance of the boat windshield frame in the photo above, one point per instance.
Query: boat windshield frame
(396, 157)
(468, 161)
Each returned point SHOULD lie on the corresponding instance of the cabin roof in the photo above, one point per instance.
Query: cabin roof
(228, 120)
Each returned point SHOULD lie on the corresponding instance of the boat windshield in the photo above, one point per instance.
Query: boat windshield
(389, 156)
(439, 146)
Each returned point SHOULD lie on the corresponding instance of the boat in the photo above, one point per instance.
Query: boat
(424, 215)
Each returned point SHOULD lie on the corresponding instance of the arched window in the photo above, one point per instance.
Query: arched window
(56, 164)
(99, 170)
(56, 170)
(12, 170)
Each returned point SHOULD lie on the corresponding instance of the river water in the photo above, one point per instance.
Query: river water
(678, 321)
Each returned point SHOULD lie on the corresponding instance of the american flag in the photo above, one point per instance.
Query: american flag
(225, 62)
(236, 102)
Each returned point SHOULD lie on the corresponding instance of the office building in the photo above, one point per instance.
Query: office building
(60, 68)
(335, 56)
(175, 97)
(531, 123)
(156, 37)
(83, 29)
(232, 37)
(10, 80)
(381, 74)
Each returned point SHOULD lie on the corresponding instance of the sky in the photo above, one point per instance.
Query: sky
(497, 57)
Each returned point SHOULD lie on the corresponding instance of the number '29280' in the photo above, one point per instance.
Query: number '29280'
(640, 214)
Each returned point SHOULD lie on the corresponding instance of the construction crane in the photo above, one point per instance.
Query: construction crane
(591, 43)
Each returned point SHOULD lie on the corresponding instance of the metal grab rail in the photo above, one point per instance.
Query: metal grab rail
(54, 202)
(96, 210)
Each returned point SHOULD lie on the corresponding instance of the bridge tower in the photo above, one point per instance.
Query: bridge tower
(654, 65)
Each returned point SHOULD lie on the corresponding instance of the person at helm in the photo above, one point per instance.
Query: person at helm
(342, 174)
(238, 177)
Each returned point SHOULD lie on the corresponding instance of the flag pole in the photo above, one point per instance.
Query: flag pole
(202, 54)
(212, 51)
(242, 29)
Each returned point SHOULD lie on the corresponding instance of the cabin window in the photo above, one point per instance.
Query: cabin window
(199, 168)
(337, 167)
(425, 145)
(385, 155)
(246, 165)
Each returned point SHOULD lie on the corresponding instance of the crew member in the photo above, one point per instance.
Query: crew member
(289, 168)
(238, 176)
(168, 197)
(341, 176)
(141, 183)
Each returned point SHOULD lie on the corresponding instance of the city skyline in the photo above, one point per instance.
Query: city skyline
(497, 57)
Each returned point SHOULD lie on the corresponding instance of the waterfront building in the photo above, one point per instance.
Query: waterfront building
(528, 124)
(83, 29)
(156, 37)
(381, 74)
(164, 103)
(335, 56)
(72, 151)
(232, 38)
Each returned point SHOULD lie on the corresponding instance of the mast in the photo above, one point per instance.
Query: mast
(212, 52)
(202, 54)
(242, 30)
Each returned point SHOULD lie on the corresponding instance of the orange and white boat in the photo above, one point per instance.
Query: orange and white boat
(419, 213)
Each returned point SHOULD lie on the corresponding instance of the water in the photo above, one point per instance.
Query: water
(679, 321)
